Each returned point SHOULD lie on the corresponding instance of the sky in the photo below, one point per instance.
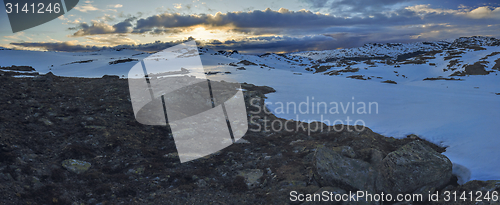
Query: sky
(254, 26)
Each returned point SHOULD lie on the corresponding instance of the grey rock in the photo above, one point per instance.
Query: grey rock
(44, 78)
(348, 152)
(76, 166)
(201, 183)
(334, 169)
(251, 176)
(412, 167)
(46, 121)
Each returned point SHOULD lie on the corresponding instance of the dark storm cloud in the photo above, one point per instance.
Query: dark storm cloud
(364, 6)
(285, 22)
(268, 18)
(278, 44)
(254, 22)
(96, 28)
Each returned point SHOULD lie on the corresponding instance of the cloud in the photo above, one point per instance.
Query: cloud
(484, 12)
(64, 46)
(276, 44)
(115, 6)
(112, 40)
(253, 45)
(257, 22)
(253, 22)
(86, 7)
(71, 47)
(102, 28)
(245, 45)
(288, 31)
(303, 22)
(291, 31)
(344, 38)
(358, 7)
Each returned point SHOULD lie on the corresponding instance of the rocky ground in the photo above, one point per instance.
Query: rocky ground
(76, 141)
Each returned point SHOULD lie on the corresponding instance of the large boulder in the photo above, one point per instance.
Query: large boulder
(413, 167)
(333, 169)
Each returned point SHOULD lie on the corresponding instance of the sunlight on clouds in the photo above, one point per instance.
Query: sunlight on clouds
(484, 12)
(86, 7)
(423, 9)
(97, 27)
(221, 34)
(16, 36)
(478, 13)
(178, 6)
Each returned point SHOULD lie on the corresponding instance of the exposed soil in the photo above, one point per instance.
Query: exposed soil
(390, 82)
(497, 65)
(345, 70)
(478, 68)
(490, 55)
(452, 63)
(245, 62)
(18, 68)
(359, 77)
(122, 61)
(453, 54)
(443, 78)
(319, 69)
(80, 62)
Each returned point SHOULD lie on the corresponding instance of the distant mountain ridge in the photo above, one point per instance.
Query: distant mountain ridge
(393, 50)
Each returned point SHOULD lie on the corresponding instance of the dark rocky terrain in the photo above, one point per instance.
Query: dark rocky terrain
(76, 141)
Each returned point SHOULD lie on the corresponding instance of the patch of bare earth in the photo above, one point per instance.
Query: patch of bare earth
(478, 68)
(339, 72)
(453, 54)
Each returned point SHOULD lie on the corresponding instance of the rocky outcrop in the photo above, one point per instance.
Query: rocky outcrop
(336, 170)
(413, 167)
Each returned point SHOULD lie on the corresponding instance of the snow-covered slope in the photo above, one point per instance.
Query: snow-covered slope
(447, 92)
(85, 64)
(374, 50)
